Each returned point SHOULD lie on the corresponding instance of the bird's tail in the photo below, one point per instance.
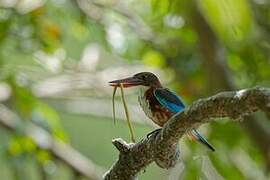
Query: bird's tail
(195, 135)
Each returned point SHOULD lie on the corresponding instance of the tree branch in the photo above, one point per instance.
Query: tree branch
(95, 10)
(162, 148)
(213, 59)
(61, 151)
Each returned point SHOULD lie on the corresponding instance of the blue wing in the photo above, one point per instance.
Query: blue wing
(169, 100)
(174, 103)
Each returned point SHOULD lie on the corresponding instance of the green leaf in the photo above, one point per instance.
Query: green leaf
(48, 118)
(153, 58)
(231, 19)
(160, 7)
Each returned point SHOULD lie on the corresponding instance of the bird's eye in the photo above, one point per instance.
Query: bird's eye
(144, 76)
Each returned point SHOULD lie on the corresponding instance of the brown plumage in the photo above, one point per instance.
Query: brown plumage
(160, 115)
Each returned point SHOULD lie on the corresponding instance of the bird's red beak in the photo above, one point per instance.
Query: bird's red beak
(127, 82)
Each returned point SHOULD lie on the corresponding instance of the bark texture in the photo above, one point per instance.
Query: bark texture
(163, 149)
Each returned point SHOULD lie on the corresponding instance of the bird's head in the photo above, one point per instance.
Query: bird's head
(140, 79)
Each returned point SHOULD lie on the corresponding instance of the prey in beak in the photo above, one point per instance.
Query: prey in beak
(124, 83)
(127, 82)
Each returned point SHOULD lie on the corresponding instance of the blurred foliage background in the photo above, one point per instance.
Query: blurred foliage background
(56, 58)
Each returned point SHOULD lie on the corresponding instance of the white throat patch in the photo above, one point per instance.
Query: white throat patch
(143, 102)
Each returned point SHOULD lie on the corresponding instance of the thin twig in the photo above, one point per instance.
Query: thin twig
(61, 151)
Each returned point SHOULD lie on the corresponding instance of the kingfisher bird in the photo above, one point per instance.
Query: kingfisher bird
(158, 103)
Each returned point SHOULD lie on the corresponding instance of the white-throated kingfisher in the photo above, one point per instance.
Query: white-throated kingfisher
(157, 102)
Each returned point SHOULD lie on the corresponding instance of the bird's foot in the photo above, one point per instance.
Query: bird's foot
(153, 132)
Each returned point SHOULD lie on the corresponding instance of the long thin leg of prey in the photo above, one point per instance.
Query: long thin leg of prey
(127, 114)
(113, 103)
